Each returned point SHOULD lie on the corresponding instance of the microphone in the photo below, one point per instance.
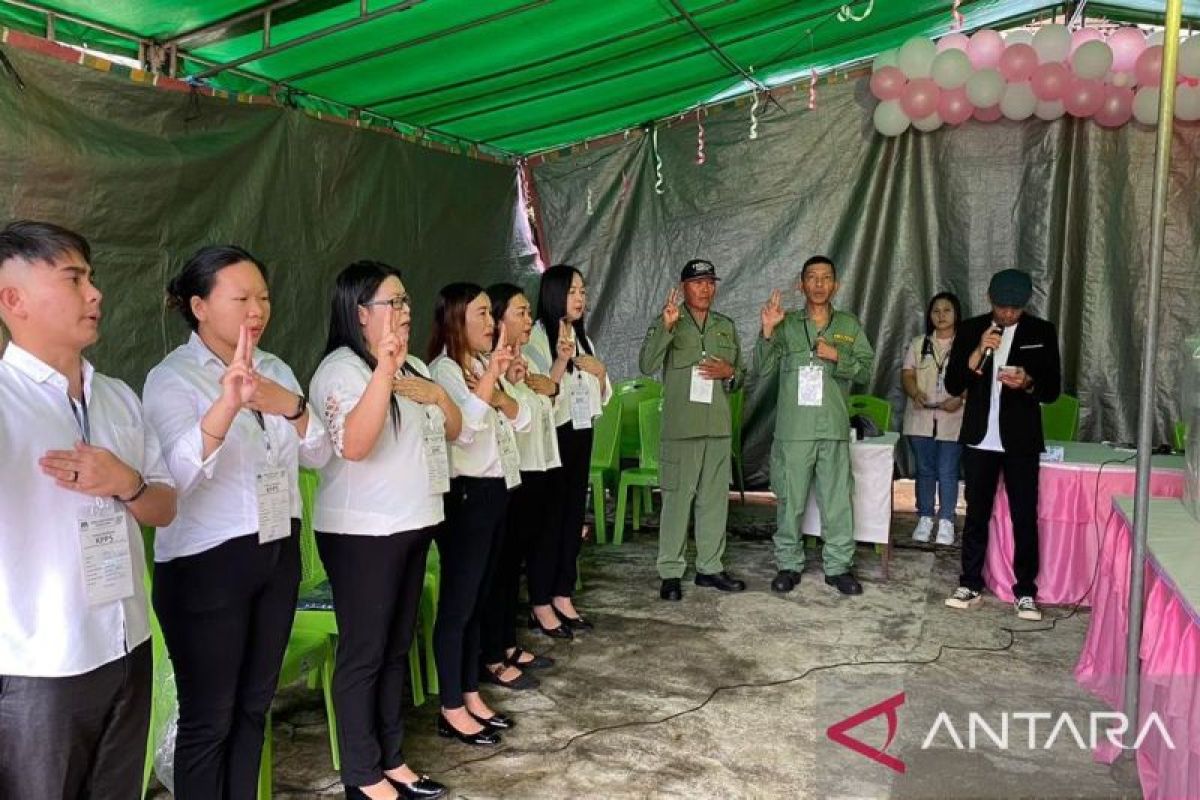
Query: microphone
(987, 351)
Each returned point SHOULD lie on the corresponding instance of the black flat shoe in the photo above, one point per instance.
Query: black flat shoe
(485, 737)
(557, 632)
(496, 722)
(423, 788)
(722, 581)
(670, 589)
(844, 583)
(520, 683)
(785, 580)
(574, 623)
(538, 662)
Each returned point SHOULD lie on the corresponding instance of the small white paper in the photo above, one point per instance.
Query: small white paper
(104, 553)
(581, 403)
(1053, 453)
(810, 386)
(702, 388)
(274, 505)
(510, 459)
(437, 460)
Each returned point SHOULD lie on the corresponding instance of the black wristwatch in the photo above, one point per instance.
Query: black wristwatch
(133, 498)
(300, 409)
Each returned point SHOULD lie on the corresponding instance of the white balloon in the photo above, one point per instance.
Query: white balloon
(890, 119)
(1052, 43)
(885, 59)
(985, 88)
(1187, 103)
(1019, 36)
(1092, 60)
(1158, 37)
(927, 124)
(1123, 80)
(915, 57)
(1145, 105)
(1049, 110)
(951, 68)
(1189, 58)
(1018, 102)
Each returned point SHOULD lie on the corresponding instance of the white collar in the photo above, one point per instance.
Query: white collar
(40, 372)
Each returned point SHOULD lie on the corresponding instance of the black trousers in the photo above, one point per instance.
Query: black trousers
(376, 583)
(982, 469)
(552, 555)
(469, 544)
(526, 515)
(76, 737)
(226, 615)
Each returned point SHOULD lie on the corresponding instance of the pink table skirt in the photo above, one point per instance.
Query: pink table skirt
(1170, 668)
(1068, 529)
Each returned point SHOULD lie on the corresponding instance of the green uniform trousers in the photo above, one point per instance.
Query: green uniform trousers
(795, 467)
(693, 471)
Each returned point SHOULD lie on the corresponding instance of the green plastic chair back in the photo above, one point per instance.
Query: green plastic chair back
(650, 431)
(737, 402)
(312, 571)
(1060, 419)
(630, 394)
(1181, 435)
(606, 438)
(874, 408)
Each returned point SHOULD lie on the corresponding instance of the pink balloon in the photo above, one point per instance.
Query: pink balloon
(953, 41)
(1117, 107)
(888, 83)
(953, 106)
(1085, 35)
(920, 98)
(985, 49)
(1018, 62)
(1083, 98)
(1049, 81)
(989, 114)
(1127, 44)
(1148, 67)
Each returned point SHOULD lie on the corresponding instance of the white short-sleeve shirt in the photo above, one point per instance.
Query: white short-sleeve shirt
(476, 452)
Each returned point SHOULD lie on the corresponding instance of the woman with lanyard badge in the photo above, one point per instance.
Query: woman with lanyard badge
(484, 465)
(559, 347)
(932, 418)
(377, 508)
(235, 429)
(503, 661)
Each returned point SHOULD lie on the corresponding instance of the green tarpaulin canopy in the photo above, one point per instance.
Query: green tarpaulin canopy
(516, 76)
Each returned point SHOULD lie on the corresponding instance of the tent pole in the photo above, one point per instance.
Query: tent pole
(1158, 221)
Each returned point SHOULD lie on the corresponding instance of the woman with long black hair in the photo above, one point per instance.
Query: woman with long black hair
(235, 428)
(377, 508)
(559, 347)
(484, 466)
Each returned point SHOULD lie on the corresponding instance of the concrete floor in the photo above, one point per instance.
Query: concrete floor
(731, 695)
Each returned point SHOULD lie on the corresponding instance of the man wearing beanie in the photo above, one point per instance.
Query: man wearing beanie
(1007, 362)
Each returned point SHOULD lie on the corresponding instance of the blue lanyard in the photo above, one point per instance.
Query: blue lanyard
(80, 412)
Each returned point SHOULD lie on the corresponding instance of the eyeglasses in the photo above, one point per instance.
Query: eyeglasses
(397, 303)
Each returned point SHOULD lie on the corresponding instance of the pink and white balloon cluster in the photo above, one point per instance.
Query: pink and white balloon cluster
(1025, 74)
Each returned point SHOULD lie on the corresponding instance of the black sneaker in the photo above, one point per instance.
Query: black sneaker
(785, 580)
(720, 580)
(844, 583)
(670, 590)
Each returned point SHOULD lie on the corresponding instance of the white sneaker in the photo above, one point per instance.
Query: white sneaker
(924, 529)
(945, 534)
(1027, 609)
(964, 598)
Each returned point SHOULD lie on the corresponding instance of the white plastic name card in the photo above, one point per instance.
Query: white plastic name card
(1053, 453)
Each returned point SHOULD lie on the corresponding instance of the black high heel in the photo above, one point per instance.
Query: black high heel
(496, 722)
(574, 623)
(485, 737)
(558, 632)
(423, 788)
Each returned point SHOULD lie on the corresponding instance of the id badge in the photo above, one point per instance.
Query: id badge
(810, 386)
(581, 403)
(274, 505)
(510, 459)
(702, 388)
(437, 459)
(104, 552)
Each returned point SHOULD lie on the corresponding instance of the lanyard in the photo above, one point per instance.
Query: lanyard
(929, 350)
(820, 332)
(80, 412)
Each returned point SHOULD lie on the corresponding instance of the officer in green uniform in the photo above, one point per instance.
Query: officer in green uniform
(700, 356)
(819, 353)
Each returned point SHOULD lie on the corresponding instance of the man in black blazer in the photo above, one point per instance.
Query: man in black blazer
(1007, 362)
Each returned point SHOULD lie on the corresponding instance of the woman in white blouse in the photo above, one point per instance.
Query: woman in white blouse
(234, 427)
(484, 465)
(377, 508)
(504, 662)
(559, 347)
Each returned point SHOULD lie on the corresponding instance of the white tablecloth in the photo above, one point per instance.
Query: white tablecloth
(872, 461)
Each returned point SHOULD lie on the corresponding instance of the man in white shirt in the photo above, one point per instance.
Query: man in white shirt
(82, 471)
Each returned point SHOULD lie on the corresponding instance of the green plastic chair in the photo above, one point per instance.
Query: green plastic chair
(1060, 419)
(736, 402)
(1181, 435)
(646, 473)
(874, 408)
(630, 394)
(605, 466)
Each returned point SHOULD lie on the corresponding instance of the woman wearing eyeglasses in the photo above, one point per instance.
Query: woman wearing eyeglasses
(377, 508)
(484, 466)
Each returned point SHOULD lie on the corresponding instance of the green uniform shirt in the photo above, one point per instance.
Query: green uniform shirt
(674, 352)
(790, 348)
